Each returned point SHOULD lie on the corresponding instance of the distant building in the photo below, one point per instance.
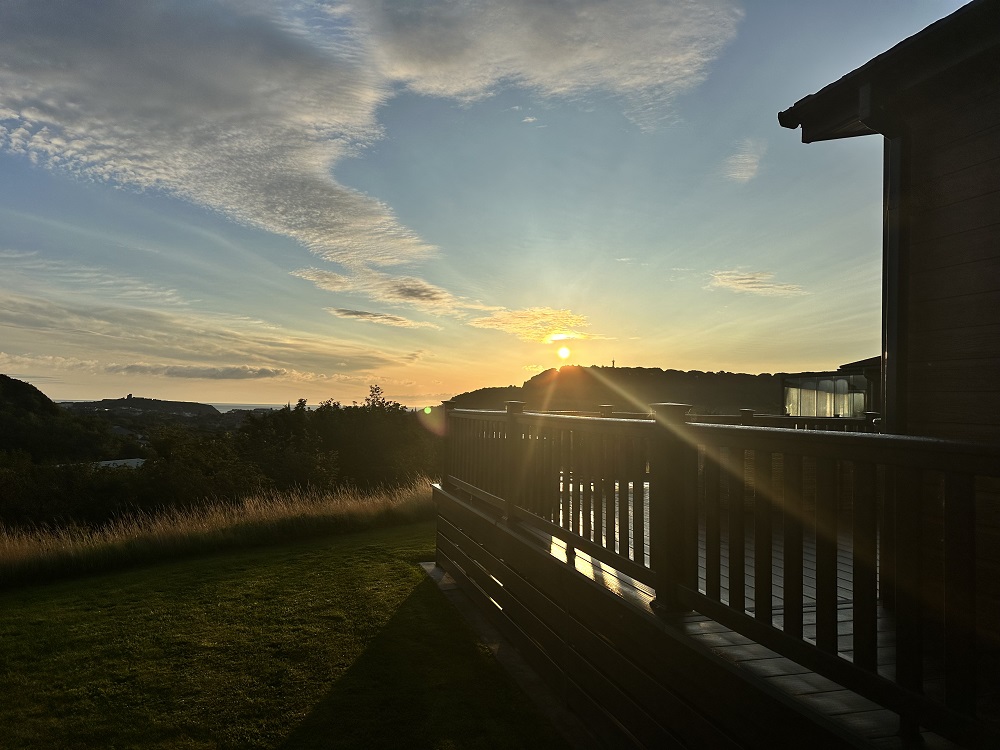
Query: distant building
(849, 391)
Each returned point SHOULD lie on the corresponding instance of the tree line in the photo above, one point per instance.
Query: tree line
(49, 473)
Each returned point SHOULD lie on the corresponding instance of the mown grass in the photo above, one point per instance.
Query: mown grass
(49, 553)
(339, 642)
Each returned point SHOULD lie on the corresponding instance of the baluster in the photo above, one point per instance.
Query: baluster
(586, 468)
(713, 551)
(865, 580)
(737, 535)
(621, 480)
(793, 522)
(515, 455)
(639, 500)
(608, 489)
(960, 592)
(688, 513)
(909, 612)
(826, 555)
(762, 536)
(577, 488)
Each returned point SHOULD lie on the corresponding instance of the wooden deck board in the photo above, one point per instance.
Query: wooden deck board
(859, 715)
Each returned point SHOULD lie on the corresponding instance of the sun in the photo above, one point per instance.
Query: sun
(564, 352)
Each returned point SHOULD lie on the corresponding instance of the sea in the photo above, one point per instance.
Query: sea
(220, 407)
(249, 407)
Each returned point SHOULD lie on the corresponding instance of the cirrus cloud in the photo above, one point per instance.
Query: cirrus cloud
(743, 165)
(383, 318)
(753, 282)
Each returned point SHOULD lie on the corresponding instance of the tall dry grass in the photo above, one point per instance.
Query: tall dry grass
(49, 553)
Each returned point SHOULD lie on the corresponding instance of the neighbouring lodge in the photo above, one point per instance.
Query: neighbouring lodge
(824, 578)
(851, 390)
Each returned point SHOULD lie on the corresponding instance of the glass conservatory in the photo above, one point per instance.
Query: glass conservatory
(849, 391)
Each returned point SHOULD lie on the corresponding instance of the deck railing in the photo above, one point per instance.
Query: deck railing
(782, 534)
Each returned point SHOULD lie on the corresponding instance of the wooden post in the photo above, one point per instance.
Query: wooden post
(873, 420)
(606, 410)
(448, 454)
(746, 417)
(513, 459)
(667, 504)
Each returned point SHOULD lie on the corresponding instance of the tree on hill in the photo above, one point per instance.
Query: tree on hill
(576, 388)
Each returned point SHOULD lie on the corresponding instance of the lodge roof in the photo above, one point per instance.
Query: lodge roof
(856, 104)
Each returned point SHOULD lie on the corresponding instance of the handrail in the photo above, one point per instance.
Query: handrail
(639, 494)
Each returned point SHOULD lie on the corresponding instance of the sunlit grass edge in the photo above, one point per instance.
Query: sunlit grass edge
(51, 553)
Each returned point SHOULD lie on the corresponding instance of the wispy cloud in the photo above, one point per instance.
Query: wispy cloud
(240, 108)
(183, 371)
(81, 280)
(753, 282)
(530, 119)
(396, 290)
(645, 52)
(382, 318)
(540, 324)
(33, 324)
(247, 108)
(238, 372)
(743, 165)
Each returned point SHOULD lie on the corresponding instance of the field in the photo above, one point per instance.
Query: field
(335, 642)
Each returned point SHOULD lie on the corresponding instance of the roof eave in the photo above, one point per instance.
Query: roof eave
(847, 107)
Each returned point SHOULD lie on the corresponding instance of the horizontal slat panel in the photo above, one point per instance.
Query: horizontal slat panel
(968, 142)
(968, 246)
(958, 343)
(980, 178)
(975, 213)
(974, 283)
(954, 376)
(958, 408)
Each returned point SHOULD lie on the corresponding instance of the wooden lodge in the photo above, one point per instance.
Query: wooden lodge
(783, 582)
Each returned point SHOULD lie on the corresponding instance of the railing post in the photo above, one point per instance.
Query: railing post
(513, 459)
(606, 410)
(873, 419)
(448, 453)
(746, 417)
(667, 504)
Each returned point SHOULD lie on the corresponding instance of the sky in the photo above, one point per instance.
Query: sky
(262, 201)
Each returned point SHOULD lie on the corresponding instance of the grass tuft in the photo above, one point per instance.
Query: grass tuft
(51, 553)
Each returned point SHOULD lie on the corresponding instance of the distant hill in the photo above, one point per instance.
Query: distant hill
(31, 423)
(574, 388)
(18, 395)
(146, 405)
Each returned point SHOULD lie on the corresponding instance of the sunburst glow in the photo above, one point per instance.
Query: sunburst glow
(564, 352)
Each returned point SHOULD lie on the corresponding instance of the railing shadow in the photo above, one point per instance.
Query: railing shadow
(392, 696)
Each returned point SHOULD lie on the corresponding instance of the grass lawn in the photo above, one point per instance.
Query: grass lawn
(335, 643)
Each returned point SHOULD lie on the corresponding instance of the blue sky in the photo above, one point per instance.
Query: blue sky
(261, 201)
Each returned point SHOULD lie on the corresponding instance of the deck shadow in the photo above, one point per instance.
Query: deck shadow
(424, 681)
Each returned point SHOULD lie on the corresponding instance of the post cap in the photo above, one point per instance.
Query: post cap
(670, 412)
